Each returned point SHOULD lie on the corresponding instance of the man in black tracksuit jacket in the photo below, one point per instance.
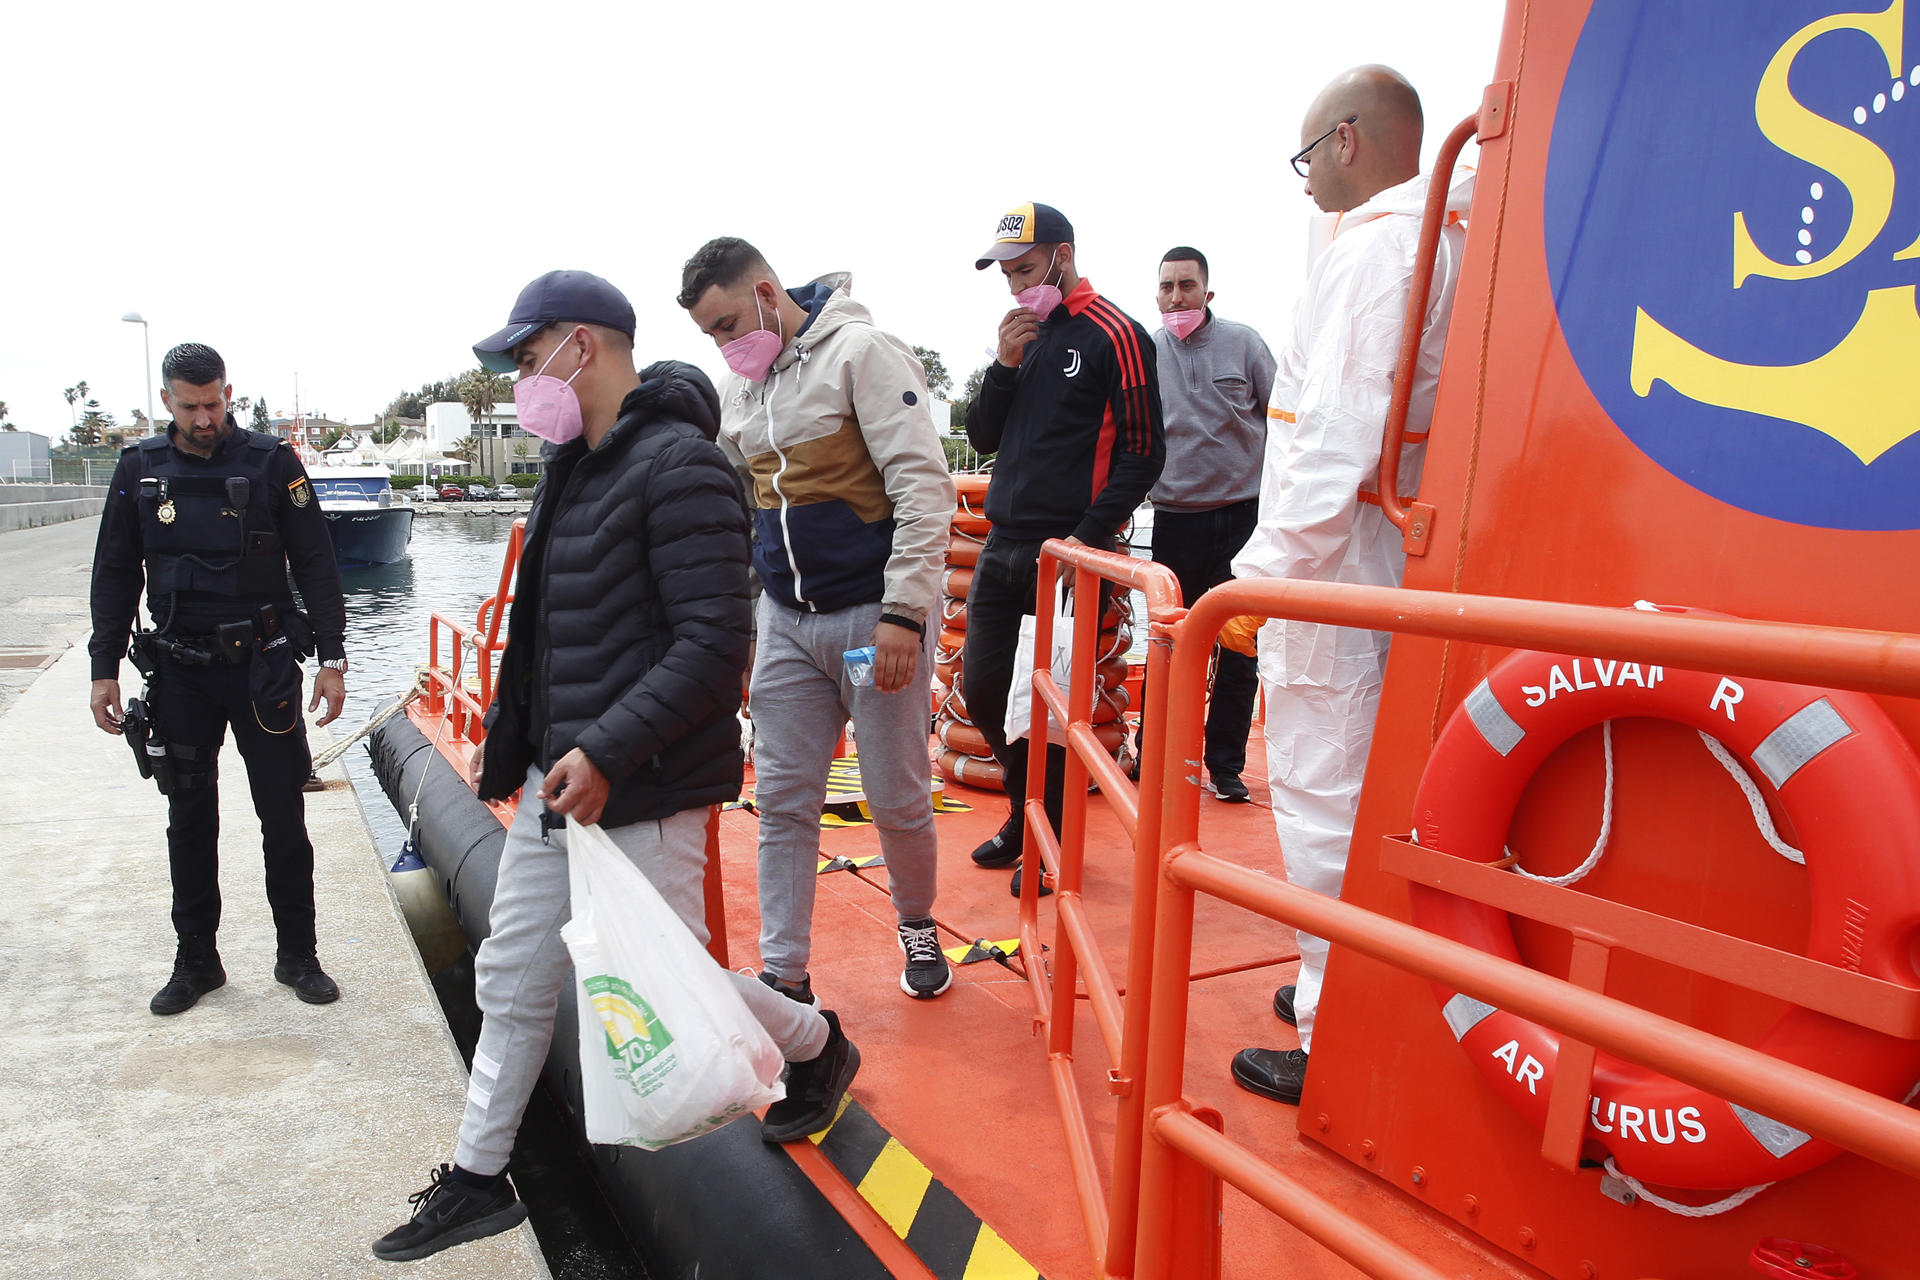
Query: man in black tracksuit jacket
(1072, 409)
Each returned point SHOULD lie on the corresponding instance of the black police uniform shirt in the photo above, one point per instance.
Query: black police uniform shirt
(202, 560)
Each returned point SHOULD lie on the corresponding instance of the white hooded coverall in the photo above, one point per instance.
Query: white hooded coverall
(1329, 407)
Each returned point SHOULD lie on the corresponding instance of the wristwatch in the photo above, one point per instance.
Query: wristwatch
(335, 664)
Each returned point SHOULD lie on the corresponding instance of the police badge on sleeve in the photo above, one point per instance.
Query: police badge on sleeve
(301, 492)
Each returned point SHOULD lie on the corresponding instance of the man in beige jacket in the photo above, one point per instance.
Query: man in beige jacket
(827, 419)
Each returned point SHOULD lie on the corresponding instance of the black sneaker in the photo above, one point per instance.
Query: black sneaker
(814, 1088)
(927, 973)
(1003, 848)
(1283, 1005)
(304, 975)
(449, 1212)
(800, 992)
(1014, 886)
(1229, 788)
(1272, 1073)
(196, 971)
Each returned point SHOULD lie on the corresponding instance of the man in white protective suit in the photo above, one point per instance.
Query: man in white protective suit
(1320, 516)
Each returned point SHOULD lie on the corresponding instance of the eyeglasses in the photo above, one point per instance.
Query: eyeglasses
(1299, 160)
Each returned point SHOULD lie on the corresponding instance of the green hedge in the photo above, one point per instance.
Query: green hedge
(523, 480)
(407, 482)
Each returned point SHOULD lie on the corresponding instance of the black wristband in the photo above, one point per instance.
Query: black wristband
(901, 620)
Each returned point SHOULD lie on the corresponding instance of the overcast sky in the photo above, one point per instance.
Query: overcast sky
(355, 192)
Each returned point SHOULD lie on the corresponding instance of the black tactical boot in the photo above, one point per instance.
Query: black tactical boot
(196, 971)
(302, 972)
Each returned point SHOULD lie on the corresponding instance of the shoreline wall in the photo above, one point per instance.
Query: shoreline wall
(28, 506)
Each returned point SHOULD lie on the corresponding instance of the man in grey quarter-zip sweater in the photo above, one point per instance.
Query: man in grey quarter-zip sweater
(1215, 377)
(826, 418)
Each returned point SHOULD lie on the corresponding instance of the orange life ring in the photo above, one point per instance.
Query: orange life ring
(963, 551)
(953, 640)
(1110, 706)
(965, 521)
(964, 738)
(946, 668)
(953, 612)
(957, 584)
(971, 484)
(1838, 767)
(971, 771)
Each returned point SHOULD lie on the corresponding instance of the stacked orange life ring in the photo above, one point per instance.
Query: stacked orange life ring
(964, 756)
(1837, 766)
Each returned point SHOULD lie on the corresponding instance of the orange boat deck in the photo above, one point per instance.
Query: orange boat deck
(962, 1081)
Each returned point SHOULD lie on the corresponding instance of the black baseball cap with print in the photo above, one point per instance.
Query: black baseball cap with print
(577, 297)
(1023, 227)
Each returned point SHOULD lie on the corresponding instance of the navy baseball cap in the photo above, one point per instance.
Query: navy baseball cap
(1023, 227)
(578, 297)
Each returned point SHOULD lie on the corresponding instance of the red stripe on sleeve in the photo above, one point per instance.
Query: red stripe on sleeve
(1132, 373)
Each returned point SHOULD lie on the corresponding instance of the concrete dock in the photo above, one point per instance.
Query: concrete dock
(252, 1136)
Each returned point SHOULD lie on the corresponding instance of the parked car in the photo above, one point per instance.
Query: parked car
(479, 493)
(452, 492)
(420, 493)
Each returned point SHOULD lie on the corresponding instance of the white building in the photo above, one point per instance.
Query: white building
(24, 455)
(504, 448)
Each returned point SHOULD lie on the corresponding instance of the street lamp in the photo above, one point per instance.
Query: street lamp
(146, 344)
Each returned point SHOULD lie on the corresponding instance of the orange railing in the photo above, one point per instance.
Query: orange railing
(1110, 1223)
(1185, 1157)
(444, 686)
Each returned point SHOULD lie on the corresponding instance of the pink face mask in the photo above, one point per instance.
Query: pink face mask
(1041, 299)
(751, 355)
(1182, 323)
(547, 406)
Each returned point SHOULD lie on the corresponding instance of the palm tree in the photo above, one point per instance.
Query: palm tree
(4, 424)
(466, 448)
(75, 394)
(480, 390)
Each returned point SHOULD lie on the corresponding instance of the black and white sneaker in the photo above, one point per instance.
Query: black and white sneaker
(814, 1088)
(927, 973)
(1229, 788)
(447, 1212)
(800, 992)
(1003, 847)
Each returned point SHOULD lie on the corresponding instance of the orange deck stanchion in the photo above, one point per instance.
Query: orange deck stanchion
(1878, 1128)
(1110, 1218)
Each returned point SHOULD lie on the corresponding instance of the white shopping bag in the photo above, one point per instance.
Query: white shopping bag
(668, 1049)
(1020, 692)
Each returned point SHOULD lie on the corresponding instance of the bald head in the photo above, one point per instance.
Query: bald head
(1380, 149)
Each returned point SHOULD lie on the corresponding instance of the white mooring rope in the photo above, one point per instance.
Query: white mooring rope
(1679, 1209)
(341, 748)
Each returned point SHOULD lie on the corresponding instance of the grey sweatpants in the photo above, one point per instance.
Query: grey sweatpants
(523, 968)
(801, 699)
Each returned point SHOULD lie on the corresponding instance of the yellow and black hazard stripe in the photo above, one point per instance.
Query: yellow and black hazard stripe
(942, 1232)
(846, 800)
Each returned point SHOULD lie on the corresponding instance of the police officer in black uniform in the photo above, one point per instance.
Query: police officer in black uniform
(211, 514)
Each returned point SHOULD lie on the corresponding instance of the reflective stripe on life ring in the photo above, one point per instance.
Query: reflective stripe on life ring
(972, 771)
(1846, 778)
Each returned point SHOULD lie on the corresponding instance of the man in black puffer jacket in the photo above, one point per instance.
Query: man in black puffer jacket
(616, 705)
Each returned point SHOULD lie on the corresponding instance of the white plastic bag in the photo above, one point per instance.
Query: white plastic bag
(1020, 692)
(668, 1049)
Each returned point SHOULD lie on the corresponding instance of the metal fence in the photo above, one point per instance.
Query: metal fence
(57, 471)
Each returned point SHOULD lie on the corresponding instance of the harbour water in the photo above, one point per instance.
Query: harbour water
(452, 565)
